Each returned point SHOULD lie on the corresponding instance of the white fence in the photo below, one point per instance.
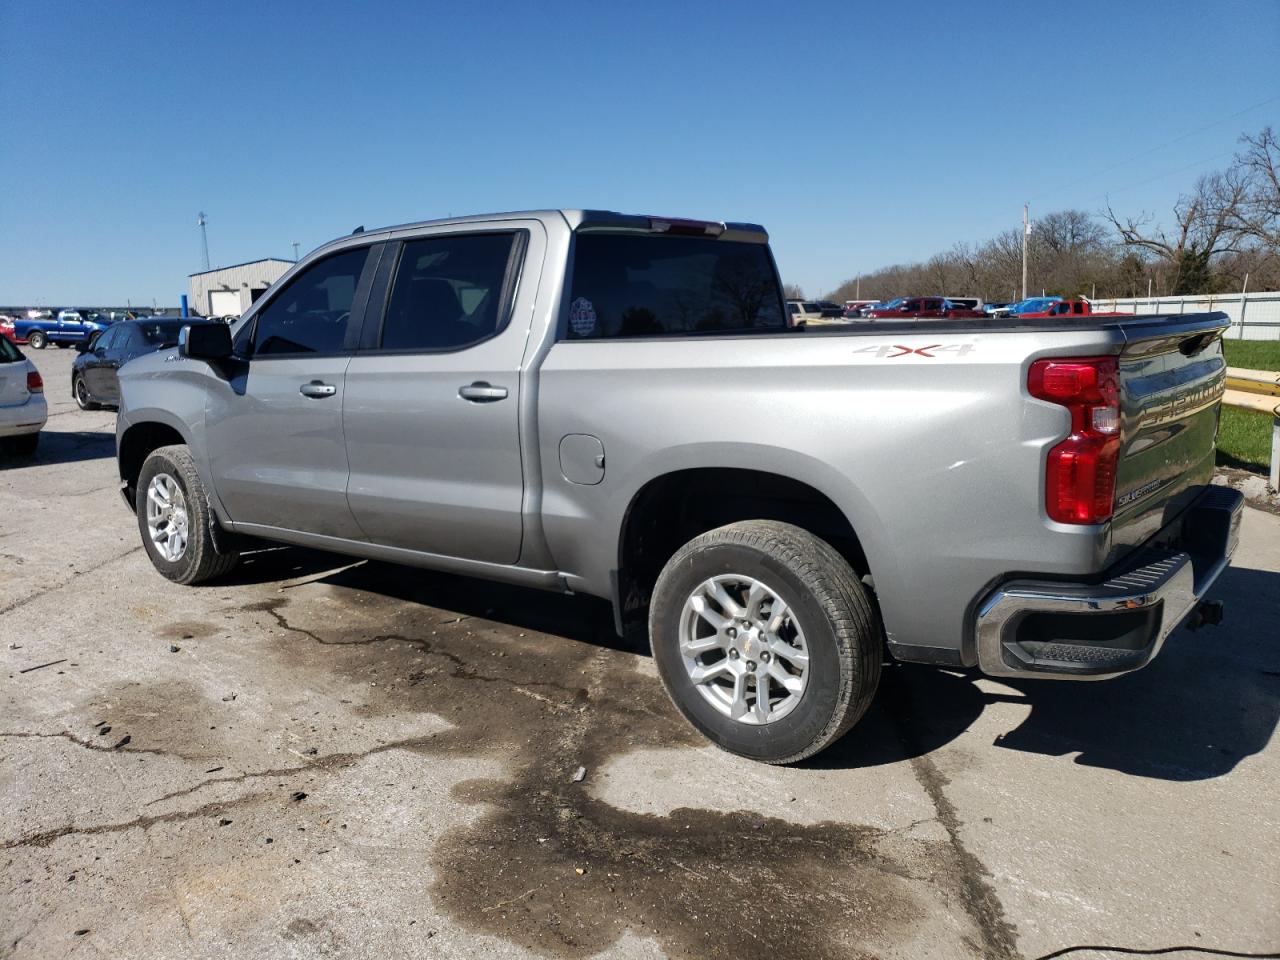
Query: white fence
(1254, 316)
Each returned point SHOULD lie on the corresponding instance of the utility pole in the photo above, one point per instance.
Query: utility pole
(295, 251)
(1026, 232)
(201, 220)
(858, 291)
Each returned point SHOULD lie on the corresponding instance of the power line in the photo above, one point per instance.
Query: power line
(1167, 143)
(1160, 176)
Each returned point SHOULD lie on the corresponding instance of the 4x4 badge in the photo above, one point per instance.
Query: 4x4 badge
(889, 351)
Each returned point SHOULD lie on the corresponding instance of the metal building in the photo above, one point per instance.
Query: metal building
(228, 291)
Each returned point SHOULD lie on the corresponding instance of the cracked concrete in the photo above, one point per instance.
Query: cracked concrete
(353, 760)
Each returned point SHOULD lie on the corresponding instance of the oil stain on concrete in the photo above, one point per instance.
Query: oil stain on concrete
(551, 868)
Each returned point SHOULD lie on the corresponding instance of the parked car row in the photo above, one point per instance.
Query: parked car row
(938, 307)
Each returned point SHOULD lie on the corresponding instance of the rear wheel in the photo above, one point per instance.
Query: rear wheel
(765, 640)
(175, 520)
(36, 340)
(83, 400)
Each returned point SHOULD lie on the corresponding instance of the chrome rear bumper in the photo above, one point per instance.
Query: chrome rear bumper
(1034, 628)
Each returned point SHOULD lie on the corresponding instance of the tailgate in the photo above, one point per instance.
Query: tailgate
(13, 383)
(1172, 377)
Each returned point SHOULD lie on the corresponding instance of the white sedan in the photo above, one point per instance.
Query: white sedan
(23, 410)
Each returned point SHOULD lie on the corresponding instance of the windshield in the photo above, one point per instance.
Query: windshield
(627, 285)
(160, 334)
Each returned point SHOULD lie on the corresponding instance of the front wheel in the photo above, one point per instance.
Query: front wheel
(36, 340)
(765, 640)
(175, 520)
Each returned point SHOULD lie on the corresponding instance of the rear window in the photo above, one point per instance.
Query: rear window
(643, 286)
(160, 334)
(8, 352)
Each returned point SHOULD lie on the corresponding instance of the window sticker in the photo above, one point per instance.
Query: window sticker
(582, 317)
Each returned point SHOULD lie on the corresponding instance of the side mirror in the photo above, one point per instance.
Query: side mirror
(84, 346)
(210, 342)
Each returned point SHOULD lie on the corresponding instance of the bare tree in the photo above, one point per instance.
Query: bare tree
(792, 291)
(1259, 214)
(1206, 227)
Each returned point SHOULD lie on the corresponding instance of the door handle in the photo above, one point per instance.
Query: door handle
(317, 389)
(482, 392)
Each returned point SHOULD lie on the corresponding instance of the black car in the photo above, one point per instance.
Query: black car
(93, 374)
(830, 309)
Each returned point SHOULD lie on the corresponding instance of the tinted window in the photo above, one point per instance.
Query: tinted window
(8, 352)
(448, 292)
(627, 285)
(160, 334)
(110, 338)
(311, 314)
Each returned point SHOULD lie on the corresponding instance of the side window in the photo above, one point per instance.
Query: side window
(109, 338)
(449, 292)
(311, 314)
(642, 285)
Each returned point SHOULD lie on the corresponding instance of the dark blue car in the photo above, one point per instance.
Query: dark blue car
(94, 380)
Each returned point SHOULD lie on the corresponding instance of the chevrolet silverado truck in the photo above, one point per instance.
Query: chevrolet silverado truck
(615, 405)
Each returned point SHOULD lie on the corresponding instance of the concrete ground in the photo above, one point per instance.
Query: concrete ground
(326, 758)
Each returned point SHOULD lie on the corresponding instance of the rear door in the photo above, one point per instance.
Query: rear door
(274, 429)
(432, 406)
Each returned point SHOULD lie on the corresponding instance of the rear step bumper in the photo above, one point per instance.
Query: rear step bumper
(1064, 631)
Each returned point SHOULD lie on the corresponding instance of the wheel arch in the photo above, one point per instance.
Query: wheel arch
(138, 440)
(673, 506)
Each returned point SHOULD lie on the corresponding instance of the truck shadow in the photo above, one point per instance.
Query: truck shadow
(1208, 701)
(1211, 699)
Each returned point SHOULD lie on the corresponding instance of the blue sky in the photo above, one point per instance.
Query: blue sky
(860, 134)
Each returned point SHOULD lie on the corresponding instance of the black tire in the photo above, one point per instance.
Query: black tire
(826, 600)
(200, 560)
(62, 345)
(36, 340)
(25, 445)
(80, 391)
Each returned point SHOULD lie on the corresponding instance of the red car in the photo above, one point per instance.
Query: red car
(6, 329)
(1068, 308)
(908, 308)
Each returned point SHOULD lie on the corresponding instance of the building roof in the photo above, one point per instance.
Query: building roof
(247, 263)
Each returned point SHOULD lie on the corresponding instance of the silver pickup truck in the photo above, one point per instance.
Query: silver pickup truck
(616, 405)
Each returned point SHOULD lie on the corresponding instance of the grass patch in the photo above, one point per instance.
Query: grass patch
(1244, 439)
(1253, 354)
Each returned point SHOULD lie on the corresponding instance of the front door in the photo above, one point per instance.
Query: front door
(93, 369)
(274, 427)
(432, 407)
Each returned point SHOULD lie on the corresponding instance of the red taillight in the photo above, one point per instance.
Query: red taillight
(34, 383)
(1080, 475)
